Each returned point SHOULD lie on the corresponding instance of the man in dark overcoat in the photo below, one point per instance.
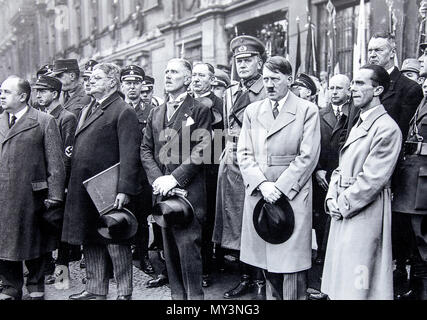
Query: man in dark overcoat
(132, 78)
(332, 122)
(32, 178)
(107, 133)
(202, 81)
(168, 167)
(48, 90)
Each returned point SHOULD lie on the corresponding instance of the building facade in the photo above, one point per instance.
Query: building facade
(150, 32)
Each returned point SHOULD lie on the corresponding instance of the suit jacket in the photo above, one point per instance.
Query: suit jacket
(360, 243)
(67, 124)
(31, 170)
(285, 151)
(164, 149)
(77, 101)
(110, 135)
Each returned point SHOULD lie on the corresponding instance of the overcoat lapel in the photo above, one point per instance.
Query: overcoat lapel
(362, 130)
(4, 125)
(266, 114)
(255, 89)
(98, 112)
(330, 118)
(423, 110)
(286, 115)
(28, 121)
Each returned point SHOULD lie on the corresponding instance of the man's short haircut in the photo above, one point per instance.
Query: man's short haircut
(185, 63)
(391, 39)
(380, 76)
(111, 70)
(279, 64)
(23, 87)
(210, 67)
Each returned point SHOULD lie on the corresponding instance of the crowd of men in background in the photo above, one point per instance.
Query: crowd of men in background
(342, 156)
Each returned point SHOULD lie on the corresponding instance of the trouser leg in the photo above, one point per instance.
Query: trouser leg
(121, 258)
(35, 278)
(96, 268)
(12, 276)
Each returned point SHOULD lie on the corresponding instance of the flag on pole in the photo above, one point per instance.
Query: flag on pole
(309, 46)
(359, 56)
(298, 53)
(331, 38)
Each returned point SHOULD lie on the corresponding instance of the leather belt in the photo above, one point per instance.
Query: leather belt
(415, 148)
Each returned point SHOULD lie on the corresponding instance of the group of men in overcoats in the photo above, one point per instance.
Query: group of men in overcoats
(282, 159)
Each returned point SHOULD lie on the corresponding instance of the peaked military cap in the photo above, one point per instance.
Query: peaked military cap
(89, 67)
(47, 82)
(305, 81)
(132, 72)
(221, 78)
(148, 83)
(411, 65)
(46, 69)
(246, 46)
(64, 65)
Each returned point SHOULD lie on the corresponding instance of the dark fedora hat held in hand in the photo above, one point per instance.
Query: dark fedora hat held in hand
(117, 224)
(173, 210)
(274, 223)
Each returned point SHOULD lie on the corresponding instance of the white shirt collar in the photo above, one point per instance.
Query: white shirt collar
(390, 70)
(365, 115)
(179, 100)
(337, 108)
(18, 115)
(206, 94)
(281, 102)
(105, 98)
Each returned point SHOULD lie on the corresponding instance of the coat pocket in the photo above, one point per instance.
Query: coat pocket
(421, 194)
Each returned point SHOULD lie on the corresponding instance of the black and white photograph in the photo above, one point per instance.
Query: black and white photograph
(231, 151)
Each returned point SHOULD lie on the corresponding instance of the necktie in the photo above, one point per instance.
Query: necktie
(338, 114)
(92, 109)
(66, 96)
(276, 110)
(12, 121)
(171, 107)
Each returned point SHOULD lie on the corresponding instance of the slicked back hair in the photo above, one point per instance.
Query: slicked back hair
(380, 76)
(279, 64)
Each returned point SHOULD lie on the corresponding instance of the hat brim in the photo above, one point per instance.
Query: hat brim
(163, 222)
(410, 70)
(423, 46)
(268, 228)
(128, 231)
(246, 54)
(42, 87)
(132, 78)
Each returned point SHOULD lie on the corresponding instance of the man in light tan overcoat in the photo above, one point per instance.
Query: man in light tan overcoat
(278, 150)
(358, 262)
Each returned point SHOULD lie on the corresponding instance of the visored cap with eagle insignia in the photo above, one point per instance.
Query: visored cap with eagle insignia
(246, 46)
(132, 73)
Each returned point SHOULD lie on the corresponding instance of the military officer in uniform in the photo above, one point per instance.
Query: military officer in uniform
(248, 55)
(48, 90)
(410, 193)
(73, 96)
(132, 78)
(221, 83)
